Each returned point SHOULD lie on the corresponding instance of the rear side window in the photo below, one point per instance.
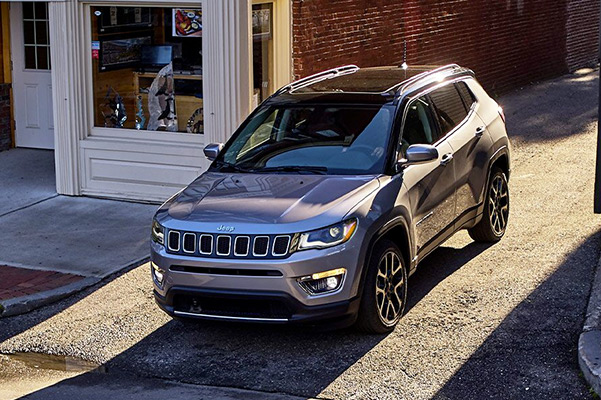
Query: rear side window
(449, 107)
(466, 94)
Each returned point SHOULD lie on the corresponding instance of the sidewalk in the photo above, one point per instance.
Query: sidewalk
(589, 343)
(51, 245)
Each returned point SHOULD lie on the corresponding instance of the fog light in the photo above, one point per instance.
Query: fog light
(157, 274)
(323, 282)
(332, 282)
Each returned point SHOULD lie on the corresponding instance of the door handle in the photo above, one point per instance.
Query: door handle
(446, 159)
(480, 131)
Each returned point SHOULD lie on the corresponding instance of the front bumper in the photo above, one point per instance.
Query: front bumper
(274, 299)
(277, 307)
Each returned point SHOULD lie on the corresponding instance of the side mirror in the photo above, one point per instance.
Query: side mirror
(212, 150)
(418, 154)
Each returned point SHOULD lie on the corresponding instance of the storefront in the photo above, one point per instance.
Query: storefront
(129, 93)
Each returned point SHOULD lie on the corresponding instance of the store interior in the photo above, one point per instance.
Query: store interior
(130, 48)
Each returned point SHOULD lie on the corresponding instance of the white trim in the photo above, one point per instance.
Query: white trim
(229, 246)
(255, 246)
(68, 92)
(287, 246)
(184, 242)
(224, 317)
(247, 246)
(200, 247)
(179, 239)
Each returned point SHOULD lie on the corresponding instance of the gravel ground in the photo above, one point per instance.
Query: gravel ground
(496, 321)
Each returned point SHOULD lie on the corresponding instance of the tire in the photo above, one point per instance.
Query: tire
(378, 290)
(493, 224)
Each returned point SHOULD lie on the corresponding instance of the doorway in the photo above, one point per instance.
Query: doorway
(31, 72)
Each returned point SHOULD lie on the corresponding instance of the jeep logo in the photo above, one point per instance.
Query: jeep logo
(223, 228)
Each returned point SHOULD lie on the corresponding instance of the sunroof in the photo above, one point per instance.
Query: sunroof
(365, 80)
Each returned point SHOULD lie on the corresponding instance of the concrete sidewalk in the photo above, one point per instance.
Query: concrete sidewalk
(589, 342)
(82, 238)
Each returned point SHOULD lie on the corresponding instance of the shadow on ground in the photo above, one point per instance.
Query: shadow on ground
(280, 359)
(555, 109)
(16, 324)
(533, 352)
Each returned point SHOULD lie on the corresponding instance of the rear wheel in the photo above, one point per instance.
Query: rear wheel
(496, 210)
(385, 290)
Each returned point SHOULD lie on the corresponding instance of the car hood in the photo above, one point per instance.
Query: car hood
(217, 198)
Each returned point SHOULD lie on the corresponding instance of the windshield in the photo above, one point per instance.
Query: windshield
(313, 139)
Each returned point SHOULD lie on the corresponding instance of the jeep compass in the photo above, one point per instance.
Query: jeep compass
(330, 194)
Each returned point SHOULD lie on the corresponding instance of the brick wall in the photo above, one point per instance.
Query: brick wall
(582, 42)
(5, 141)
(508, 43)
(5, 134)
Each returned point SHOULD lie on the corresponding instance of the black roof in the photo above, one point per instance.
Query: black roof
(351, 84)
(365, 80)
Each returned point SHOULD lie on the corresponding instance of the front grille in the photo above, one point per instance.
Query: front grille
(241, 246)
(206, 244)
(228, 307)
(223, 245)
(173, 242)
(225, 271)
(189, 242)
(280, 245)
(228, 246)
(261, 246)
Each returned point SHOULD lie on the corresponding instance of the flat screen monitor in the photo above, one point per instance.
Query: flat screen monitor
(156, 55)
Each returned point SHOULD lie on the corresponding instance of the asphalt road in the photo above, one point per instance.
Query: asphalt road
(484, 321)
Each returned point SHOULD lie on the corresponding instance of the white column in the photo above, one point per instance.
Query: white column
(227, 43)
(67, 92)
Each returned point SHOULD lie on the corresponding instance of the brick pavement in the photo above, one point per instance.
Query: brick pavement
(19, 282)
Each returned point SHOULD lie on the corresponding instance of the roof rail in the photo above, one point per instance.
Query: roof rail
(318, 77)
(404, 85)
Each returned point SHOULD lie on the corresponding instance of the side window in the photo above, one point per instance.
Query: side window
(466, 94)
(420, 125)
(449, 107)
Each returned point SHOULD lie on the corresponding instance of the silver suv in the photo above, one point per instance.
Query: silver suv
(330, 194)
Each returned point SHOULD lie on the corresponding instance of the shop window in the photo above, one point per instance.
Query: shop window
(263, 51)
(147, 68)
(36, 38)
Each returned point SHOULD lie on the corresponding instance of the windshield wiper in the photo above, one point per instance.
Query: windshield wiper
(293, 168)
(222, 165)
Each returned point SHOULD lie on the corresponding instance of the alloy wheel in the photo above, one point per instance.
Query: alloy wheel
(498, 205)
(390, 288)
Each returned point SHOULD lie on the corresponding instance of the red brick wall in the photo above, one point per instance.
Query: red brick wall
(5, 138)
(508, 43)
(582, 33)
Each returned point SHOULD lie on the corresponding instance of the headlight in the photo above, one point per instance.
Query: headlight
(327, 237)
(158, 232)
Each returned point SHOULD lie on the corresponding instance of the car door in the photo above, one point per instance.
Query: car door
(430, 185)
(467, 135)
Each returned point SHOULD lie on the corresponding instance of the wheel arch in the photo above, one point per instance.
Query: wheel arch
(500, 159)
(397, 230)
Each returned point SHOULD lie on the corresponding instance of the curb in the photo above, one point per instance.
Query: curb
(589, 342)
(21, 305)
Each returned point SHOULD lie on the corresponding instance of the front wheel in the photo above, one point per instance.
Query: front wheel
(385, 290)
(496, 210)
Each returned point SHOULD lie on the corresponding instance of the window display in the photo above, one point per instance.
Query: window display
(263, 51)
(147, 68)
